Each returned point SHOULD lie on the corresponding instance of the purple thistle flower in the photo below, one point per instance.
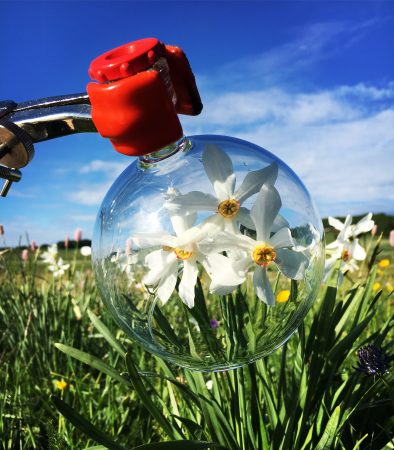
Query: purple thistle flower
(372, 360)
(214, 323)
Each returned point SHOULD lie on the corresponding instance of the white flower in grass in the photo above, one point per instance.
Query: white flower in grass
(165, 263)
(50, 255)
(58, 267)
(347, 264)
(227, 202)
(55, 264)
(346, 247)
(86, 250)
(265, 250)
(347, 243)
(126, 259)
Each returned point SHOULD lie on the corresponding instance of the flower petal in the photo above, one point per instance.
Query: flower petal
(204, 230)
(219, 168)
(346, 231)
(337, 224)
(254, 180)
(188, 282)
(142, 240)
(279, 222)
(224, 241)
(262, 286)
(357, 251)
(221, 270)
(335, 244)
(364, 225)
(167, 283)
(282, 239)
(192, 201)
(291, 264)
(243, 217)
(265, 210)
(224, 278)
(181, 223)
(157, 262)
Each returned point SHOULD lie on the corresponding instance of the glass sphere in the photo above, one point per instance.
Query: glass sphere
(208, 253)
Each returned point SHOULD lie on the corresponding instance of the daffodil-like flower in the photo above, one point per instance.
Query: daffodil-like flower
(165, 263)
(347, 240)
(50, 255)
(55, 264)
(346, 247)
(265, 250)
(227, 204)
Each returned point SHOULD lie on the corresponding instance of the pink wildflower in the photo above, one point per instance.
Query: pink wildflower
(374, 230)
(391, 240)
(78, 234)
(33, 246)
(66, 242)
(25, 255)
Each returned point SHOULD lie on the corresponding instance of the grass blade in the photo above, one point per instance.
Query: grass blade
(84, 425)
(107, 335)
(92, 361)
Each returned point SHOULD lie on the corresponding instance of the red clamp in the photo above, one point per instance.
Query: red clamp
(141, 88)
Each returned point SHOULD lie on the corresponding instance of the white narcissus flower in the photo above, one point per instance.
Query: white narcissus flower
(50, 255)
(263, 251)
(347, 240)
(347, 247)
(227, 203)
(164, 263)
(55, 264)
(58, 267)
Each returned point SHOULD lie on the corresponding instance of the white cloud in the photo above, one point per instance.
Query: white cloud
(290, 61)
(339, 141)
(90, 195)
(99, 165)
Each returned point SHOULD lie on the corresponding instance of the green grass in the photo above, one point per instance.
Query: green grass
(306, 395)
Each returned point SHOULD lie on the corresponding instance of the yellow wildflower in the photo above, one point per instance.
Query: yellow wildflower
(61, 384)
(384, 263)
(376, 286)
(283, 296)
(389, 288)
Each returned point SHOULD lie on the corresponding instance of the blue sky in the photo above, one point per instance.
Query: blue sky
(313, 82)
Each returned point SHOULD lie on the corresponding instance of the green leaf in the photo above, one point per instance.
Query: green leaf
(92, 361)
(181, 445)
(84, 425)
(346, 344)
(97, 447)
(107, 335)
(138, 385)
(326, 441)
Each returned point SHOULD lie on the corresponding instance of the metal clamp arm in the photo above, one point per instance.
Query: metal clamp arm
(23, 124)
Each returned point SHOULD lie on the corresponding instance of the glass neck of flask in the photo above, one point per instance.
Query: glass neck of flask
(152, 158)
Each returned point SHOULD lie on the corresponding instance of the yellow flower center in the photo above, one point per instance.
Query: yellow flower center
(263, 254)
(229, 208)
(182, 254)
(345, 255)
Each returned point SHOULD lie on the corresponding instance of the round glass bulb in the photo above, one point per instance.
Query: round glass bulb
(208, 253)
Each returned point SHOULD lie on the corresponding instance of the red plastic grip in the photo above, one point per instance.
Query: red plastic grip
(131, 104)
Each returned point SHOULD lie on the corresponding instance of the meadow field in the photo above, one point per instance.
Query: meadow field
(70, 379)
